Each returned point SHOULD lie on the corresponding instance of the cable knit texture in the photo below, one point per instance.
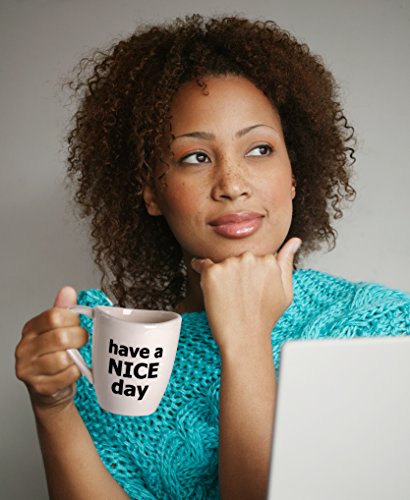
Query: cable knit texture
(173, 453)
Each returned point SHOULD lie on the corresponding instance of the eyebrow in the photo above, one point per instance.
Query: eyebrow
(207, 136)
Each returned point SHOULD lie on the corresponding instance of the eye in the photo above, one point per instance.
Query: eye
(261, 150)
(194, 158)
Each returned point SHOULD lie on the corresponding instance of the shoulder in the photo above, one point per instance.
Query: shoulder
(322, 286)
(356, 307)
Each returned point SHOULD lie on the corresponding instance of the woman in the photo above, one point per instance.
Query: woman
(203, 153)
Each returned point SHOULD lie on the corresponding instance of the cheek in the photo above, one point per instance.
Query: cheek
(178, 201)
(277, 194)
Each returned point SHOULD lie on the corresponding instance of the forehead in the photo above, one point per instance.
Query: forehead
(227, 98)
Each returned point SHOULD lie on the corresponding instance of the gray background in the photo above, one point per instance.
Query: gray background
(43, 247)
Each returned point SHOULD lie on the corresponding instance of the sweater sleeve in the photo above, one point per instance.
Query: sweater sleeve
(367, 310)
(106, 429)
(377, 311)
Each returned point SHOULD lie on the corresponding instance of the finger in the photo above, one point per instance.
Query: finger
(199, 265)
(51, 364)
(285, 261)
(47, 364)
(59, 339)
(66, 297)
(48, 385)
(48, 320)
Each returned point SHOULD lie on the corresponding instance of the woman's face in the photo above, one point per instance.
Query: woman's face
(229, 187)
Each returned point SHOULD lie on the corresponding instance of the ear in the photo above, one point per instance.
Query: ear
(150, 199)
(293, 191)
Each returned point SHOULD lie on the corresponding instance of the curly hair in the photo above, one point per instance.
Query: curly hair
(123, 115)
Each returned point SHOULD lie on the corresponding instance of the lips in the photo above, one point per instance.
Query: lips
(237, 225)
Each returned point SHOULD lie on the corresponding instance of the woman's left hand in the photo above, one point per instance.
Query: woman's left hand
(245, 296)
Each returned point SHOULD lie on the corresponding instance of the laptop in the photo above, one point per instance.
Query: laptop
(342, 424)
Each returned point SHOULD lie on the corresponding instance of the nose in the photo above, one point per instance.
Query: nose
(230, 183)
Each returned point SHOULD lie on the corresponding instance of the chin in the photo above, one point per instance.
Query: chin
(238, 248)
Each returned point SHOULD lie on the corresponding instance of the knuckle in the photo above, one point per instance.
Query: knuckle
(50, 317)
(26, 327)
(38, 387)
(269, 259)
(54, 317)
(62, 338)
(213, 273)
(18, 353)
(248, 256)
(62, 360)
(20, 372)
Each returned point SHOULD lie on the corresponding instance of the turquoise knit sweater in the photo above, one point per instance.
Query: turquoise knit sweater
(173, 453)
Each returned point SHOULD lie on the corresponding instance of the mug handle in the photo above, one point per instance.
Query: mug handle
(75, 353)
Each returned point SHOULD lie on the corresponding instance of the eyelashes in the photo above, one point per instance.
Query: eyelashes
(199, 156)
(268, 149)
(202, 157)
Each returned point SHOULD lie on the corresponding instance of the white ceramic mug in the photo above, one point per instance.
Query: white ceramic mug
(133, 352)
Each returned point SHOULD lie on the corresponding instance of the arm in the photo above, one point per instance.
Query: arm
(73, 467)
(244, 297)
(247, 399)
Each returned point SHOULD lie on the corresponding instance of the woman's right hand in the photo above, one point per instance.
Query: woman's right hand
(42, 362)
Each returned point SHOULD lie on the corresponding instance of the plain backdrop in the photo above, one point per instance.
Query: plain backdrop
(43, 247)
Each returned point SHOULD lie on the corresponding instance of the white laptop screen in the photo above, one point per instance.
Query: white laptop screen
(342, 425)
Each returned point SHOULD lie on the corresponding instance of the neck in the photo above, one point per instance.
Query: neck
(194, 299)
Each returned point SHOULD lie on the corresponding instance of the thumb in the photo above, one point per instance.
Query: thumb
(285, 261)
(66, 297)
